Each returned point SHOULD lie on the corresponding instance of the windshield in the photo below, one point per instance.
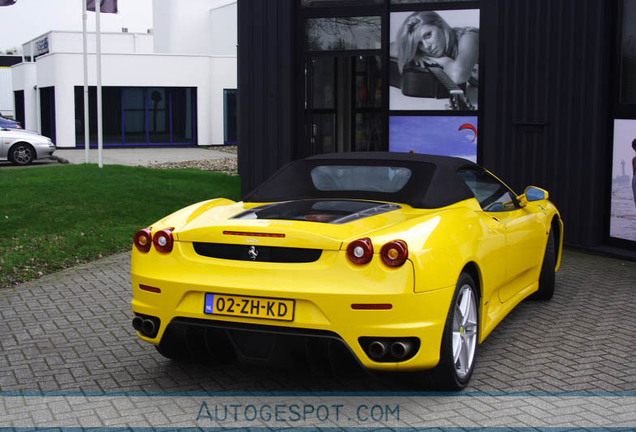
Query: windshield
(360, 178)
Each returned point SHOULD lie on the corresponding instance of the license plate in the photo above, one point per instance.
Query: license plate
(250, 307)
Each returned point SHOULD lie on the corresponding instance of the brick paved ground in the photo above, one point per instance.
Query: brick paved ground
(71, 331)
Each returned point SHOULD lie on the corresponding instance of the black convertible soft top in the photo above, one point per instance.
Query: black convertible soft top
(434, 180)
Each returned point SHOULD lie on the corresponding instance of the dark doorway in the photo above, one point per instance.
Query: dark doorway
(344, 103)
(18, 99)
(47, 112)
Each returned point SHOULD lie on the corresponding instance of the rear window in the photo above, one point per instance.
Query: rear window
(387, 179)
(326, 211)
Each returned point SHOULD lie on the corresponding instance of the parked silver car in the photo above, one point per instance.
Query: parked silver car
(22, 147)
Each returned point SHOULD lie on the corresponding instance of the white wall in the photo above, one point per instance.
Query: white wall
(6, 92)
(120, 43)
(223, 76)
(6, 87)
(195, 26)
(223, 25)
(24, 77)
(64, 71)
(110, 43)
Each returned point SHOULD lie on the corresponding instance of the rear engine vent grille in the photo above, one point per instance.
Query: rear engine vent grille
(257, 253)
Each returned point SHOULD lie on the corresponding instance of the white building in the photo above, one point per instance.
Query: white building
(6, 90)
(175, 85)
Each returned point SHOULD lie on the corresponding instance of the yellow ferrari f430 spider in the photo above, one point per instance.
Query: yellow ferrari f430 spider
(403, 262)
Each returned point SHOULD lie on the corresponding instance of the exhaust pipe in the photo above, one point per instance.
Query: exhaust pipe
(137, 323)
(147, 328)
(146, 325)
(377, 349)
(400, 349)
(390, 349)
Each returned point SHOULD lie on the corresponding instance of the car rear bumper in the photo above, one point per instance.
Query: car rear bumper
(331, 298)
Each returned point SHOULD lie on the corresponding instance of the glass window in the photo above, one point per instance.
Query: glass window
(325, 211)
(493, 196)
(368, 82)
(111, 115)
(628, 54)
(158, 116)
(344, 33)
(138, 115)
(182, 109)
(323, 83)
(323, 133)
(230, 117)
(79, 116)
(134, 108)
(344, 103)
(368, 131)
(360, 178)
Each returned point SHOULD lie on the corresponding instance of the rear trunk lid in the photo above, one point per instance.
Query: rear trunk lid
(315, 224)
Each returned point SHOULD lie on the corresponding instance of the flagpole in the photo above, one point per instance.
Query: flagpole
(85, 52)
(100, 140)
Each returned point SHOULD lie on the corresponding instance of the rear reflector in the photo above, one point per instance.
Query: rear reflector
(253, 234)
(372, 306)
(150, 289)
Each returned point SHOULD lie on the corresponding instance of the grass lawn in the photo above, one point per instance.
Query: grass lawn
(56, 217)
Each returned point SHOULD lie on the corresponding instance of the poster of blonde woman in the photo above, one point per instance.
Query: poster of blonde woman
(434, 60)
(623, 219)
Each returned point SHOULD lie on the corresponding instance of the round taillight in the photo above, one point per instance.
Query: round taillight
(360, 251)
(394, 253)
(163, 240)
(143, 240)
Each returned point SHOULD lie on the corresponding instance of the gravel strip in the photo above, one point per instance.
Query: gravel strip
(226, 165)
(226, 149)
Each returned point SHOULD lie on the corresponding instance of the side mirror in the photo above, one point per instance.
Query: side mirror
(534, 193)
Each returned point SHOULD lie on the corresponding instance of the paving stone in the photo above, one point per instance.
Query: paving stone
(71, 331)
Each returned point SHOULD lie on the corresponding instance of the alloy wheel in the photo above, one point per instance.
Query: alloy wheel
(464, 331)
(22, 155)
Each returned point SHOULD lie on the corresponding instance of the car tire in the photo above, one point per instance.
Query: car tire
(547, 276)
(460, 339)
(22, 154)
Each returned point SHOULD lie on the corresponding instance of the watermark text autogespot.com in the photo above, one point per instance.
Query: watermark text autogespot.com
(297, 412)
(599, 411)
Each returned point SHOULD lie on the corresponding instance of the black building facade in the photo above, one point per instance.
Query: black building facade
(551, 100)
